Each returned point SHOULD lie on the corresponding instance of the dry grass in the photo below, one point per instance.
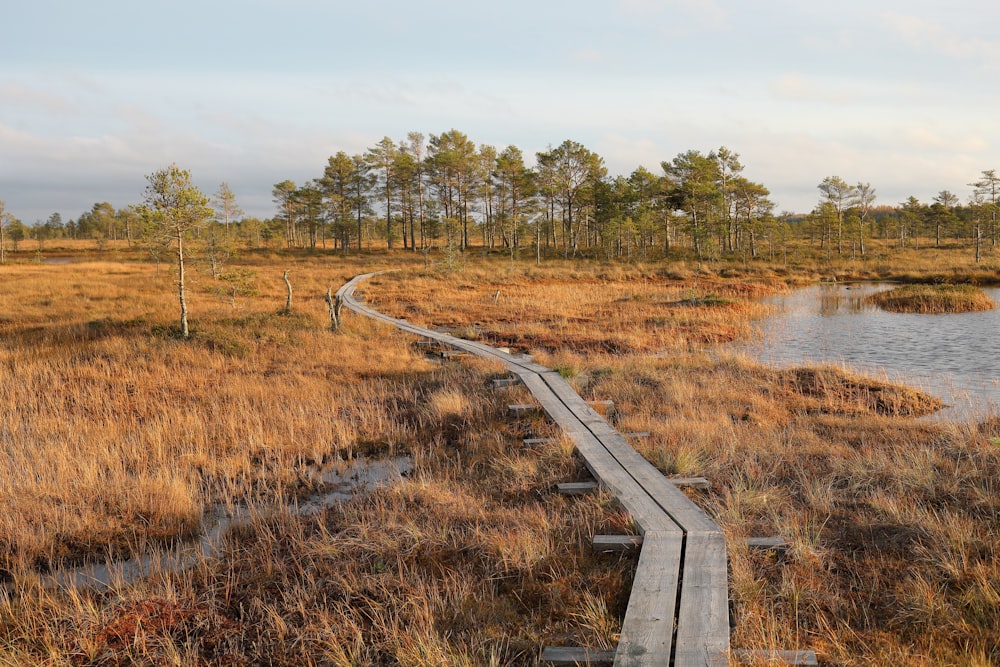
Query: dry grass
(933, 299)
(919, 262)
(115, 433)
(114, 430)
(876, 508)
(892, 521)
(611, 309)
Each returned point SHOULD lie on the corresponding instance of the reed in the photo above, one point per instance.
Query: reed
(933, 299)
(834, 462)
(117, 434)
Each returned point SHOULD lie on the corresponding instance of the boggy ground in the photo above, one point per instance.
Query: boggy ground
(892, 520)
(116, 436)
(473, 559)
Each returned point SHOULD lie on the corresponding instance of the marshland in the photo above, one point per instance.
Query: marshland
(761, 238)
(120, 436)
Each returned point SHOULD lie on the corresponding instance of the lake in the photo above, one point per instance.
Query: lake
(954, 357)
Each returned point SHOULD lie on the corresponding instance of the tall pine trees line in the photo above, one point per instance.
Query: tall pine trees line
(446, 190)
(423, 192)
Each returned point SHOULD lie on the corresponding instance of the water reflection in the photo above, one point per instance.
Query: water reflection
(846, 300)
(955, 357)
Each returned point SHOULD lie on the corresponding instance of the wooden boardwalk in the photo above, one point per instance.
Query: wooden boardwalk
(678, 610)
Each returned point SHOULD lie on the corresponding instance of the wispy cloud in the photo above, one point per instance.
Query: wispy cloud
(921, 33)
(706, 13)
(382, 92)
(927, 139)
(798, 88)
(624, 154)
(588, 55)
(16, 94)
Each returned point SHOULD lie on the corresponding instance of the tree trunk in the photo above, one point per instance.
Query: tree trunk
(666, 237)
(288, 298)
(185, 332)
(334, 304)
(359, 228)
(420, 209)
(840, 232)
(538, 243)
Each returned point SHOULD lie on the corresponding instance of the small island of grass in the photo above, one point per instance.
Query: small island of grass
(933, 299)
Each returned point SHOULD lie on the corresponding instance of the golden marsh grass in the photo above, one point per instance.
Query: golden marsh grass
(117, 433)
(833, 462)
(933, 299)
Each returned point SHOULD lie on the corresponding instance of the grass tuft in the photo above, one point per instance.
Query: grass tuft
(933, 299)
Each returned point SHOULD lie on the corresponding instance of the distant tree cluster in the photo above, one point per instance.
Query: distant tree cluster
(847, 219)
(444, 190)
(225, 227)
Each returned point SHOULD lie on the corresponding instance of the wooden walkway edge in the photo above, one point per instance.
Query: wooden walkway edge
(678, 610)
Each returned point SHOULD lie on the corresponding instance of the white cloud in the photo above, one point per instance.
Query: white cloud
(798, 88)
(16, 94)
(623, 154)
(928, 139)
(707, 12)
(588, 55)
(894, 160)
(385, 92)
(926, 35)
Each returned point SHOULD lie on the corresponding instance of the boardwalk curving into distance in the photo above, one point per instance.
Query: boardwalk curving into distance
(678, 610)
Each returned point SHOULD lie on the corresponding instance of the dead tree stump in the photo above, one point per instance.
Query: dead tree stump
(335, 304)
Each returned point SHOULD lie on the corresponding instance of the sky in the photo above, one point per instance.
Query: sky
(96, 95)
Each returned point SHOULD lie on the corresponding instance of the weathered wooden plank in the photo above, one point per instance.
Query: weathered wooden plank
(605, 468)
(647, 630)
(522, 361)
(564, 416)
(577, 488)
(520, 409)
(777, 657)
(571, 656)
(453, 354)
(655, 504)
(534, 442)
(767, 543)
(500, 383)
(512, 361)
(693, 482)
(671, 499)
(703, 614)
(637, 434)
(678, 506)
(617, 543)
